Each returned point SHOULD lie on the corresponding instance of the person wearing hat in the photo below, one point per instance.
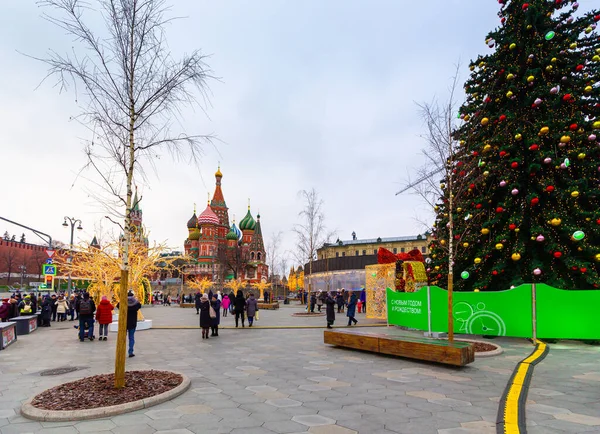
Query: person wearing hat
(133, 305)
(4, 310)
(205, 320)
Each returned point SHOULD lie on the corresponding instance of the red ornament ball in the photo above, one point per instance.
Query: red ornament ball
(502, 153)
(471, 186)
(557, 254)
(550, 188)
(525, 6)
(495, 273)
(534, 147)
(583, 269)
(567, 97)
(478, 206)
(499, 209)
(502, 118)
(512, 226)
(573, 127)
(535, 201)
(514, 164)
(579, 68)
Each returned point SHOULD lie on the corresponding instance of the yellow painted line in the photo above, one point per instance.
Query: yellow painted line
(511, 409)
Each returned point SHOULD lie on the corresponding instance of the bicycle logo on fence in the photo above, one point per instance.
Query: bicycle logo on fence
(478, 321)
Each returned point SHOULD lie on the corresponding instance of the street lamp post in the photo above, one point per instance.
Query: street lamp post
(72, 221)
(23, 271)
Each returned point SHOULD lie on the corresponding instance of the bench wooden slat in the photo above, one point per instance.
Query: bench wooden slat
(431, 350)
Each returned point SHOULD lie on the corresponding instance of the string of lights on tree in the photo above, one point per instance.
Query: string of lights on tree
(529, 154)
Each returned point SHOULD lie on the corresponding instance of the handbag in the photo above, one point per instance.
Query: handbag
(256, 316)
(212, 312)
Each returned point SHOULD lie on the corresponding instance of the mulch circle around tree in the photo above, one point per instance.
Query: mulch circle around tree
(98, 391)
(481, 347)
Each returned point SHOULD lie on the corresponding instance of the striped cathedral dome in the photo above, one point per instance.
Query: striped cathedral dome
(208, 217)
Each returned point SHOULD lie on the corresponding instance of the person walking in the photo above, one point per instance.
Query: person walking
(133, 305)
(226, 302)
(104, 317)
(214, 322)
(13, 309)
(351, 311)
(197, 301)
(205, 320)
(231, 303)
(320, 299)
(251, 309)
(72, 302)
(4, 310)
(61, 308)
(313, 302)
(46, 311)
(86, 317)
(330, 309)
(53, 306)
(339, 298)
(239, 306)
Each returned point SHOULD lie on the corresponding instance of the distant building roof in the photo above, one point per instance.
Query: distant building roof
(377, 240)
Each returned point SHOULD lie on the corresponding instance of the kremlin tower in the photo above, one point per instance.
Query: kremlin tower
(221, 252)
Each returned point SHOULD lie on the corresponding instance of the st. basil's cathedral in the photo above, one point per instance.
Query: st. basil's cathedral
(222, 252)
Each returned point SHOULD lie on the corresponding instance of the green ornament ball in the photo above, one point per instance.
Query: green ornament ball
(464, 274)
(567, 162)
(578, 235)
(550, 35)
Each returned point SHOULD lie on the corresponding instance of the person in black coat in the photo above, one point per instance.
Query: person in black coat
(239, 303)
(133, 305)
(197, 301)
(231, 304)
(46, 311)
(330, 309)
(214, 323)
(313, 301)
(205, 319)
(351, 311)
(340, 302)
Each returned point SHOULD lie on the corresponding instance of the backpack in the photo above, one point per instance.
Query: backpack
(85, 307)
(26, 308)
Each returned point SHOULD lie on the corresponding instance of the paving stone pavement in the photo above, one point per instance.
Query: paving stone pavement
(255, 381)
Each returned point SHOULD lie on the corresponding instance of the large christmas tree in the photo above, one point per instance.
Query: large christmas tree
(526, 170)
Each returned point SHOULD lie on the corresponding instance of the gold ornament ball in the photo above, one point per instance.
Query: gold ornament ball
(573, 45)
(549, 68)
(596, 58)
(459, 209)
(509, 94)
(487, 148)
(544, 130)
(436, 208)
(477, 260)
(574, 194)
(442, 185)
(530, 79)
(486, 173)
(499, 246)
(485, 231)
(588, 89)
(443, 242)
(510, 76)
(437, 267)
(518, 136)
(555, 221)
(554, 59)
(581, 156)
(597, 50)
(465, 244)
(485, 121)
(512, 46)
(476, 290)
(517, 230)
(597, 257)
(565, 139)
(467, 117)
(596, 124)
(472, 67)
(516, 257)
(587, 219)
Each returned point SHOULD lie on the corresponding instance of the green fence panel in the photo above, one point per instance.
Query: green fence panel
(501, 313)
(567, 314)
(408, 309)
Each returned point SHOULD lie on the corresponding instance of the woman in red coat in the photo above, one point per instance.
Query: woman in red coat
(104, 316)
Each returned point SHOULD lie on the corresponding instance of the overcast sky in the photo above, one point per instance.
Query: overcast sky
(313, 93)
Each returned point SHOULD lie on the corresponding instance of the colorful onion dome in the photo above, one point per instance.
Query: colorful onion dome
(193, 222)
(218, 173)
(237, 231)
(248, 223)
(208, 217)
(232, 234)
(194, 235)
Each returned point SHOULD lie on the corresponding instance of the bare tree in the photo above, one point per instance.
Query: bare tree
(443, 161)
(133, 90)
(9, 260)
(273, 252)
(311, 232)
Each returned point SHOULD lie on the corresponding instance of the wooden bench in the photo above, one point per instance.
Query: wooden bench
(8, 334)
(395, 344)
(268, 306)
(188, 305)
